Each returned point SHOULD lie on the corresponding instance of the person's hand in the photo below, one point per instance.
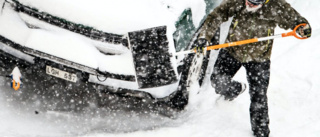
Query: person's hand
(305, 31)
(200, 44)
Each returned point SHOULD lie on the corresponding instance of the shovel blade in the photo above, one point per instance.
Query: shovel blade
(151, 57)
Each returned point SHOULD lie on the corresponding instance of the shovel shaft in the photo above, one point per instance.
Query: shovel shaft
(232, 44)
(185, 52)
(243, 42)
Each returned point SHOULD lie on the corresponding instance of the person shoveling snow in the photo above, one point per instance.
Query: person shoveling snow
(252, 19)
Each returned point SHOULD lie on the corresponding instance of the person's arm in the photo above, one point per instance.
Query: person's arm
(289, 18)
(219, 15)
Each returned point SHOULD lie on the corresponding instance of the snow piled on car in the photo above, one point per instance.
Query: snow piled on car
(113, 16)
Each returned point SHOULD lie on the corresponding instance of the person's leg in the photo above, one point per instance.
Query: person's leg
(258, 75)
(221, 79)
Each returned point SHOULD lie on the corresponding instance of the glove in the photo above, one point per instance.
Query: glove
(305, 31)
(200, 44)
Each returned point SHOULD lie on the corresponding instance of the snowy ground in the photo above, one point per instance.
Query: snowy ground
(293, 103)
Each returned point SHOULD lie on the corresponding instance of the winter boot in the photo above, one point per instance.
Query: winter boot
(232, 96)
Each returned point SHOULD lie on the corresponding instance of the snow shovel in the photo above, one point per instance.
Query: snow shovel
(152, 59)
(238, 43)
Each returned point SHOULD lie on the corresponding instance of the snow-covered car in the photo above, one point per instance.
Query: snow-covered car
(79, 53)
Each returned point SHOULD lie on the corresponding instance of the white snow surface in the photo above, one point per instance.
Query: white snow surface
(62, 43)
(293, 98)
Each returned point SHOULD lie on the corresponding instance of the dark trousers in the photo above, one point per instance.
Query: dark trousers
(258, 74)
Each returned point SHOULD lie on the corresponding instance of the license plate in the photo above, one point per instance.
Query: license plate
(61, 74)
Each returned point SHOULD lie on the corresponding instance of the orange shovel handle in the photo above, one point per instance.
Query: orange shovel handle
(237, 43)
(232, 44)
(294, 32)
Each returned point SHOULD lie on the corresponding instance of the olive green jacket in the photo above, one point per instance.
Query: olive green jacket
(247, 25)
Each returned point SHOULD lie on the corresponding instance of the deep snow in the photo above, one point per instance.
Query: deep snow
(293, 102)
